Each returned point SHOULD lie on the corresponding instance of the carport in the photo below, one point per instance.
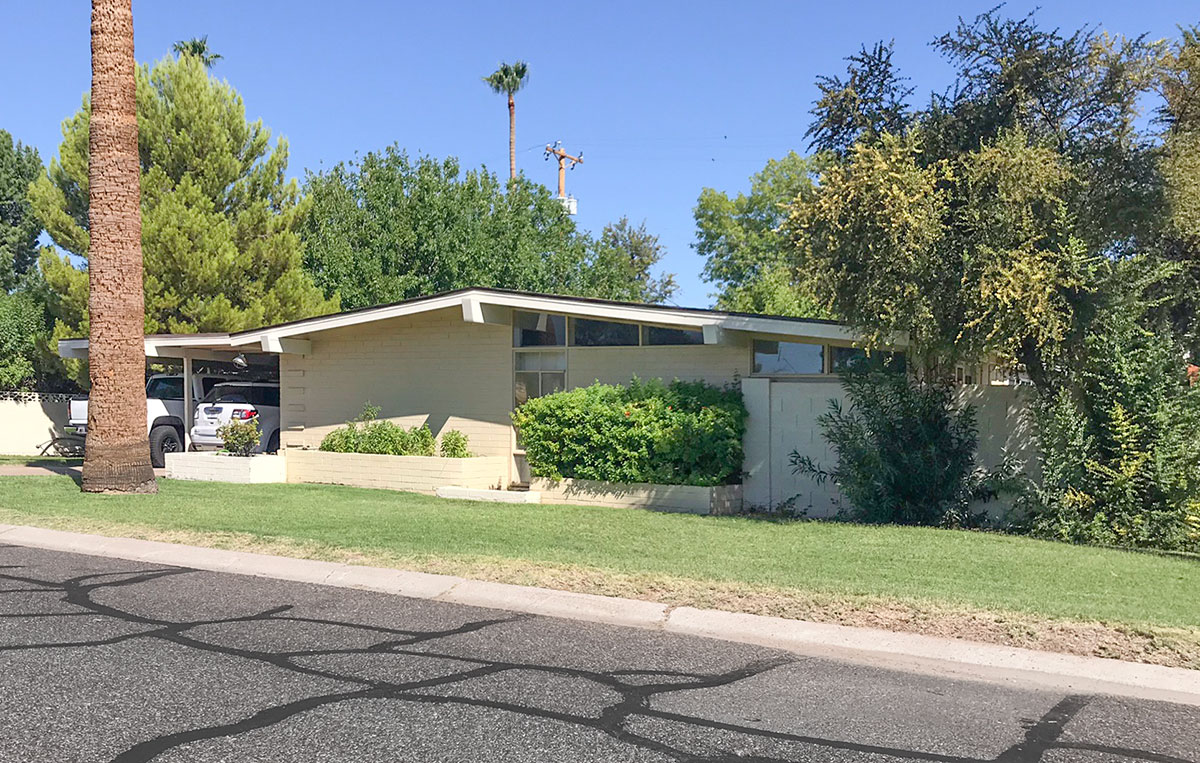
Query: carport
(189, 349)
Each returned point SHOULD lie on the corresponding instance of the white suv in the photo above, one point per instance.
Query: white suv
(238, 400)
(164, 411)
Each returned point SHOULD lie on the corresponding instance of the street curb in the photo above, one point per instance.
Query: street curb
(889, 649)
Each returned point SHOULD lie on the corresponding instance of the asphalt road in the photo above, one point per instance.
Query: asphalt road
(104, 660)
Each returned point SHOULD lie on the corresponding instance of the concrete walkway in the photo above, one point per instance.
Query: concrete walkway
(903, 651)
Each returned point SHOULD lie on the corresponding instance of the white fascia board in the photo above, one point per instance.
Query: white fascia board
(285, 345)
(154, 346)
(341, 320)
(475, 309)
(683, 318)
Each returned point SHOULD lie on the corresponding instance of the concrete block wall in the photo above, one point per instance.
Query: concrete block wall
(430, 369)
(679, 498)
(29, 420)
(783, 418)
(221, 467)
(416, 474)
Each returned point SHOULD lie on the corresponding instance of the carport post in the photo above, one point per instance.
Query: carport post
(187, 402)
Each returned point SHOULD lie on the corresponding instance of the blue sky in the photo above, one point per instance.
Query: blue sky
(663, 98)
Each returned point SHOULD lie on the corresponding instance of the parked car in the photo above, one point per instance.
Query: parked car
(164, 411)
(242, 401)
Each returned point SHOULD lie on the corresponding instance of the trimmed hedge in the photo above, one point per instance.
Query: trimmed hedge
(682, 433)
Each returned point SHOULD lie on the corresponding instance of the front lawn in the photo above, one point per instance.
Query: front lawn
(908, 578)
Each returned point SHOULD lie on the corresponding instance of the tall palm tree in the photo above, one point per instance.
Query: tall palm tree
(508, 79)
(117, 453)
(198, 47)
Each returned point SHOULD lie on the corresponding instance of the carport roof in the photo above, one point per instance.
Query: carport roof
(481, 305)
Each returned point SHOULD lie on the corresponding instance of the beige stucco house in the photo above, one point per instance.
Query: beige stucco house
(462, 360)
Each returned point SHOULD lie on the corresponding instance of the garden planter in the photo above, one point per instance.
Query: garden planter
(222, 467)
(416, 474)
(724, 499)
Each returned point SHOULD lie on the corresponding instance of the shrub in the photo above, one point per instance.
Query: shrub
(454, 444)
(1118, 448)
(682, 433)
(240, 437)
(422, 442)
(369, 434)
(905, 453)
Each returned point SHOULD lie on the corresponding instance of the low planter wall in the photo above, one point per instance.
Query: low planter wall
(416, 474)
(725, 499)
(222, 467)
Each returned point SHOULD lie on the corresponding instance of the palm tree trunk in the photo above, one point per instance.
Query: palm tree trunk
(512, 137)
(117, 453)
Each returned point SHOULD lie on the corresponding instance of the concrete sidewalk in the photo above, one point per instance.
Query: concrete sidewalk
(904, 651)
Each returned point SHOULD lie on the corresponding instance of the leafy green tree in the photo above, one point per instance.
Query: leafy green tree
(388, 227)
(197, 46)
(220, 223)
(1181, 173)
(746, 254)
(872, 99)
(22, 325)
(643, 252)
(963, 257)
(19, 227)
(1078, 93)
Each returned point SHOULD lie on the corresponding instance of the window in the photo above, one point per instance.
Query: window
(788, 358)
(590, 333)
(227, 393)
(539, 330)
(265, 395)
(165, 388)
(848, 357)
(660, 335)
(538, 373)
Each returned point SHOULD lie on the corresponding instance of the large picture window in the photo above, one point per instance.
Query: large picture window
(845, 358)
(660, 335)
(788, 358)
(592, 333)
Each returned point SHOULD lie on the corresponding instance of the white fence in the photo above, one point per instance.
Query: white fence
(783, 419)
(30, 420)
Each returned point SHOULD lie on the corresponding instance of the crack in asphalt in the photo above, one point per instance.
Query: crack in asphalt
(1040, 737)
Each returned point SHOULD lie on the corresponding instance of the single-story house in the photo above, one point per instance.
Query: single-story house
(463, 359)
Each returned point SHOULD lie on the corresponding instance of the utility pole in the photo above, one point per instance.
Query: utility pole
(563, 157)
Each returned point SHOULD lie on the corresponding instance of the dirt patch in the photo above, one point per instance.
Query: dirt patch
(1173, 647)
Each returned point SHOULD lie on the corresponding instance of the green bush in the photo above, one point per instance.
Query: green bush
(682, 433)
(1119, 447)
(454, 444)
(240, 437)
(905, 453)
(370, 434)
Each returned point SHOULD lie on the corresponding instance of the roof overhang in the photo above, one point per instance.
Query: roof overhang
(482, 306)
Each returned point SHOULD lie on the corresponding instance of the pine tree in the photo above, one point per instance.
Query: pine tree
(220, 221)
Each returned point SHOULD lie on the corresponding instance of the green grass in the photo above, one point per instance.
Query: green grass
(40, 460)
(960, 569)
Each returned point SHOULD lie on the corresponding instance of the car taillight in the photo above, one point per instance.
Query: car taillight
(242, 414)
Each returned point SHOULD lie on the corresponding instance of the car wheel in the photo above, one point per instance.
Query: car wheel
(273, 442)
(164, 439)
